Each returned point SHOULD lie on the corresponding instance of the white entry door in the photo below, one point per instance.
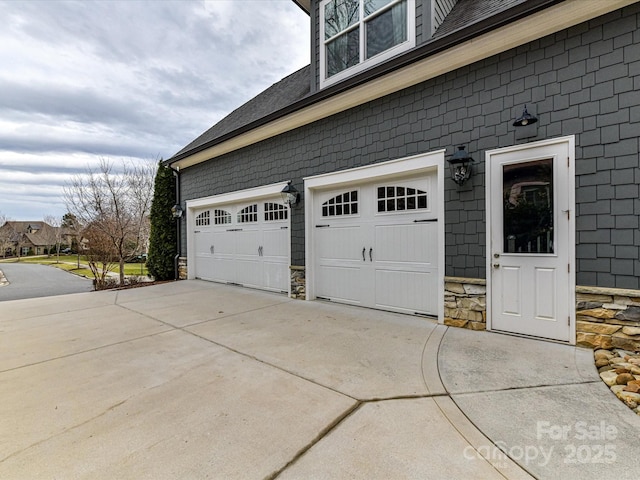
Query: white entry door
(530, 265)
(376, 245)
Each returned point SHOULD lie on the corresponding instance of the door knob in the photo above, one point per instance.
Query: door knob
(496, 265)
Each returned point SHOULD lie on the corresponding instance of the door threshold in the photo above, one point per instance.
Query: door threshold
(531, 337)
(427, 316)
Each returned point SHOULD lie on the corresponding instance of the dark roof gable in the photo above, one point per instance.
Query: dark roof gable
(466, 12)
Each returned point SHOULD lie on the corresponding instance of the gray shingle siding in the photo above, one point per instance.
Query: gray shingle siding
(583, 81)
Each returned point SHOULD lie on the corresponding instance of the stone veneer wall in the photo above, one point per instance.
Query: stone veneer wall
(465, 302)
(298, 283)
(182, 268)
(605, 317)
(608, 318)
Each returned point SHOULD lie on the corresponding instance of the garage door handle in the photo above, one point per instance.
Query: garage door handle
(364, 249)
(212, 249)
(371, 254)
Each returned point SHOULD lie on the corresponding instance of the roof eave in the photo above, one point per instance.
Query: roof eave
(305, 5)
(439, 45)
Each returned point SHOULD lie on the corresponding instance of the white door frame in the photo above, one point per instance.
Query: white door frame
(250, 194)
(417, 164)
(569, 141)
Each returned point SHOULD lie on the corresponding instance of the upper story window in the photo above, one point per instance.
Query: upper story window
(356, 34)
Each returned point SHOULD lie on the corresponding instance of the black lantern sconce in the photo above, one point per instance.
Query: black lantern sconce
(176, 211)
(290, 196)
(460, 165)
(525, 119)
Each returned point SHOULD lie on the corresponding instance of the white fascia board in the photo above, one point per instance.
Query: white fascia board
(237, 196)
(533, 27)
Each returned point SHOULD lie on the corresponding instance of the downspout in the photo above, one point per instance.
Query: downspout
(176, 174)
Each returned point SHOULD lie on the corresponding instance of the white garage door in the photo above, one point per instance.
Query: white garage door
(244, 243)
(376, 245)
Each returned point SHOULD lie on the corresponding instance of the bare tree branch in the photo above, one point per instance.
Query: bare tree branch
(116, 203)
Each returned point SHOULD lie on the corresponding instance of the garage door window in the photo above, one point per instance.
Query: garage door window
(343, 204)
(248, 214)
(274, 212)
(203, 219)
(398, 199)
(221, 217)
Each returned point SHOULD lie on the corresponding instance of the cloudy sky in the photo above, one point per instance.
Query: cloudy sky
(128, 79)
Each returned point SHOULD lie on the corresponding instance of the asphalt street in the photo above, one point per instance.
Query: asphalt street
(32, 281)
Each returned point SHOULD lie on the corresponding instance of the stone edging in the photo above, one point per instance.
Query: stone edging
(464, 280)
(620, 370)
(612, 292)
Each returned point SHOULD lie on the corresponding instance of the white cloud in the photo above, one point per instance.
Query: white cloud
(135, 80)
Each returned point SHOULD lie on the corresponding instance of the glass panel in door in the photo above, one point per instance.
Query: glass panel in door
(528, 217)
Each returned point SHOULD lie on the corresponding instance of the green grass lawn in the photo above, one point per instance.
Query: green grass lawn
(70, 264)
(44, 260)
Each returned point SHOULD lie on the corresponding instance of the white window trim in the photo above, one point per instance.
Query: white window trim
(366, 63)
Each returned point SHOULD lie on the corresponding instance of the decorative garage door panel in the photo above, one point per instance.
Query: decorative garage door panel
(245, 244)
(376, 245)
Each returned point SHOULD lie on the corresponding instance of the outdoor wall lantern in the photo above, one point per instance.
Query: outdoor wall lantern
(460, 165)
(525, 119)
(176, 211)
(290, 196)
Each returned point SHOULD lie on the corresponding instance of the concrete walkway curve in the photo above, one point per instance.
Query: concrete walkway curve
(200, 380)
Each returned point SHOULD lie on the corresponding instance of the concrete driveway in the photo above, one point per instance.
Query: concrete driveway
(199, 380)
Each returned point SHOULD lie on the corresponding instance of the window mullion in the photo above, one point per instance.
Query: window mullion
(343, 32)
(381, 10)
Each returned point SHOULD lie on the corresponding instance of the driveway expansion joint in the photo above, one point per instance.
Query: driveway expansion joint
(524, 387)
(322, 434)
(81, 352)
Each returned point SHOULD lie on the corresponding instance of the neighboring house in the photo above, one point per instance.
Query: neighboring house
(541, 240)
(30, 238)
